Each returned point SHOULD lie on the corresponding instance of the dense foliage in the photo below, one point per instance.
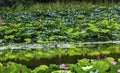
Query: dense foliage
(26, 2)
(109, 65)
(94, 24)
(44, 23)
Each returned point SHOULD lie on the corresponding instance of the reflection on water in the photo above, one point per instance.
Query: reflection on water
(53, 45)
(63, 59)
(72, 59)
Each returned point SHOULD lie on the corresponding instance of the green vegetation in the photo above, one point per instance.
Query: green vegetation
(37, 54)
(22, 22)
(95, 23)
(108, 65)
(30, 2)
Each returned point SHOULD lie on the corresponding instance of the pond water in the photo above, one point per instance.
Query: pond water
(53, 45)
(32, 63)
(63, 59)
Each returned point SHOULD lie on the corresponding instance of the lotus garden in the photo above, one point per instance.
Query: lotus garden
(60, 36)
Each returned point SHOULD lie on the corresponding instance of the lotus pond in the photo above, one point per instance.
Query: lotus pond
(71, 40)
(96, 23)
(108, 65)
(62, 60)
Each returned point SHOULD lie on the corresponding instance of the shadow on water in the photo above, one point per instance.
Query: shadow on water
(63, 59)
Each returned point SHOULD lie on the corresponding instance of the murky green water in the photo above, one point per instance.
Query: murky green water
(59, 59)
(62, 59)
